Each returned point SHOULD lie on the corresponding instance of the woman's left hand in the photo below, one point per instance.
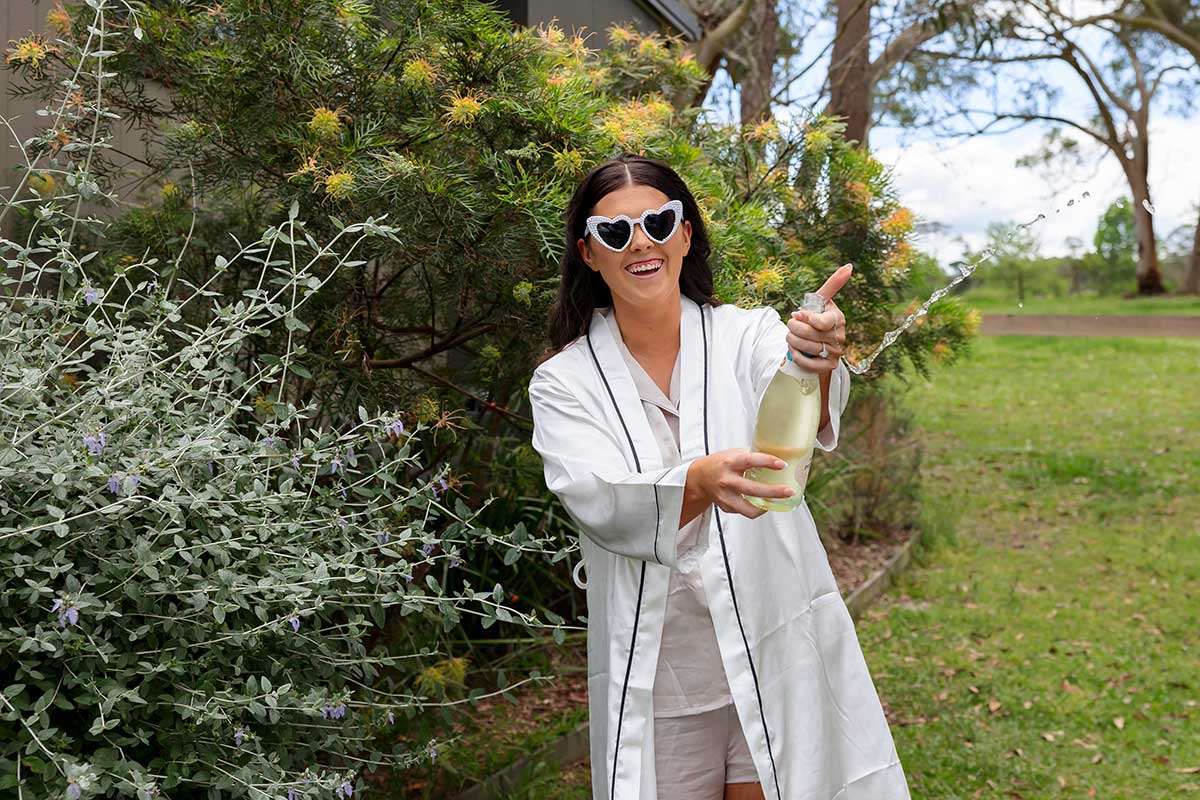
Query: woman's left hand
(808, 332)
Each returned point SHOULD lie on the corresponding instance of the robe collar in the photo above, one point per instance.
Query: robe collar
(694, 363)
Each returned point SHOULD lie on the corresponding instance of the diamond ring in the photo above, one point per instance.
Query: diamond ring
(824, 352)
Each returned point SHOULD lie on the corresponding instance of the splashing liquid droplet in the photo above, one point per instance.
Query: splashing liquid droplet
(1146, 205)
(1071, 202)
(964, 271)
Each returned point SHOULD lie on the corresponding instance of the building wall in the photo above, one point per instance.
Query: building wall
(19, 18)
(594, 15)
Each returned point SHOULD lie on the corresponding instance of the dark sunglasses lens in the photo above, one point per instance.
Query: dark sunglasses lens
(614, 234)
(660, 224)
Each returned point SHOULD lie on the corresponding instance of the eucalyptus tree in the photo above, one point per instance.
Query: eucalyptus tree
(1014, 70)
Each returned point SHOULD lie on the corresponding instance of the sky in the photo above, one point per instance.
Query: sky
(966, 183)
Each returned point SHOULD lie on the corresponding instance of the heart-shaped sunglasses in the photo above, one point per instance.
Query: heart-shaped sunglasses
(616, 233)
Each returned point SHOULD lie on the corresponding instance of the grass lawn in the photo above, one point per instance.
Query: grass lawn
(1048, 645)
(993, 302)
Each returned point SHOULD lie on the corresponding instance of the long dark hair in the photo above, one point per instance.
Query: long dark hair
(582, 290)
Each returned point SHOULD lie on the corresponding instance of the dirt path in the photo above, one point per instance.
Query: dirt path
(1088, 325)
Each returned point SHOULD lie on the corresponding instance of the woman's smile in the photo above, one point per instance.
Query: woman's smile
(645, 269)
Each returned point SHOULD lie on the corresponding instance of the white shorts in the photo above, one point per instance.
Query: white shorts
(696, 755)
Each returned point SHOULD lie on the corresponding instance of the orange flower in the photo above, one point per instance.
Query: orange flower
(899, 223)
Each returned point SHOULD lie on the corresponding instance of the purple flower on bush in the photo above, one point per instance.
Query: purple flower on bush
(440, 487)
(341, 521)
(408, 578)
(74, 789)
(295, 620)
(336, 465)
(296, 462)
(66, 612)
(334, 711)
(394, 428)
(383, 537)
(345, 789)
(391, 718)
(94, 442)
(114, 484)
(427, 548)
(454, 562)
(238, 736)
(90, 297)
(293, 794)
(433, 753)
(269, 442)
(134, 479)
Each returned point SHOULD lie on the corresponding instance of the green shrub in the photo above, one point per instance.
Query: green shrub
(195, 578)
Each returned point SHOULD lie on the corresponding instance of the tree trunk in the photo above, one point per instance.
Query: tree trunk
(1191, 284)
(849, 79)
(760, 79)
(1149, 276)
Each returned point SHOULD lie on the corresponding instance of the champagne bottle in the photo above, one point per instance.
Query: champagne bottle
(788, 416)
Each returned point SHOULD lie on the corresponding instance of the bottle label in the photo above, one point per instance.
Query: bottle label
(802, 469)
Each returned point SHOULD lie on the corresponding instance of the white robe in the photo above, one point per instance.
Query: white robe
(800, 684)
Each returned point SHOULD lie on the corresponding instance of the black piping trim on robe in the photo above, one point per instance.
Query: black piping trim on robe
(641, 582)
(729, 574)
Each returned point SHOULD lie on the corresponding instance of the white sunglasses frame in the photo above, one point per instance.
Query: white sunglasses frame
(594, 221)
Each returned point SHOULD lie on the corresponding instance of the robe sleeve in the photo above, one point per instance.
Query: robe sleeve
(769, 347)
(634, 514)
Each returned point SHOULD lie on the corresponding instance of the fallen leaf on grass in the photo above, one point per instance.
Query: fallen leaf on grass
(1067, 686)
(1119, 722)
(994, 705)
(1188, 770)
(1096, 759)
(1049, 737)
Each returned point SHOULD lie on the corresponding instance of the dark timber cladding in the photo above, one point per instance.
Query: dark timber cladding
(665, 16)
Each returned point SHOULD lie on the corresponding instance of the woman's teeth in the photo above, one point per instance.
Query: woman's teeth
(645, 267)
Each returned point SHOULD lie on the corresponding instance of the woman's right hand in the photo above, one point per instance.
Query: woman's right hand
(719, 477)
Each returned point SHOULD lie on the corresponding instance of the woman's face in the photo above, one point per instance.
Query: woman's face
(648, 289)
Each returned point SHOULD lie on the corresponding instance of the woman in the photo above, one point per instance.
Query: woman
(722, 662)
